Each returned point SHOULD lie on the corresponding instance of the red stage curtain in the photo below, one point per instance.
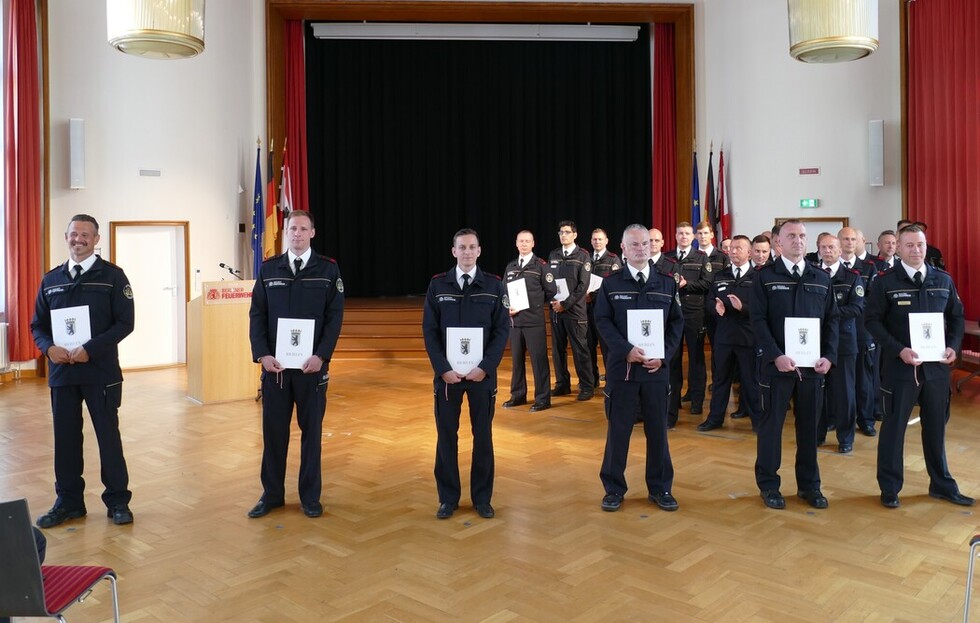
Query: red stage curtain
(664, 132)
(944, 134)
(296, 114)
(22, 174)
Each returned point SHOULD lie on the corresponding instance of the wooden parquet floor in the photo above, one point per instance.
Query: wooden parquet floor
(551, 554)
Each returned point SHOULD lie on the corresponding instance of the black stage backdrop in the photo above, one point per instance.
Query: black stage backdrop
(410, 141)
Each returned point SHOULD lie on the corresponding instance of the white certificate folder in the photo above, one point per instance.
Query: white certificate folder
(464, 348)
(71, 327)
(927, 335)
(802, 336)
(294, 341)
(517, 295)
(645, 329)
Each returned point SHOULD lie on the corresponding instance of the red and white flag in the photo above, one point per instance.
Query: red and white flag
(285, 195)
(724, 220)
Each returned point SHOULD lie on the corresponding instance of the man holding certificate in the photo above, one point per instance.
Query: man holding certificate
(639, 315)
(465, 327)
(529, 285)
(795, 322)
(916, 317)
(571, 267)
(295, 319)
(83, 310)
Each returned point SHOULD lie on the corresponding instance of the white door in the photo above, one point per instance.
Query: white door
(153, 258)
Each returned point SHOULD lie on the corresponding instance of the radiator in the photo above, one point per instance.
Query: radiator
(4, 351)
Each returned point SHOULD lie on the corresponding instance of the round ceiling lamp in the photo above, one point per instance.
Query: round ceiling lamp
(158, 29)
(832, 31)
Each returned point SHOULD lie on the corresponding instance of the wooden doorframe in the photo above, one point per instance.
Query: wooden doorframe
(185, 225)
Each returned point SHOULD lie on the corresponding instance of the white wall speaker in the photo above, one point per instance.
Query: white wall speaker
(76, 153)
(876, 152)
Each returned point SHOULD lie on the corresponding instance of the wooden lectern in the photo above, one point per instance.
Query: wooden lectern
(219, 357)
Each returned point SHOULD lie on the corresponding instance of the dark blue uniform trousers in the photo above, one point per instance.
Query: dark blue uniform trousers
(807, 395)
(727, 360)
(868, 379)
(448, 406)
(532, 340)
(103, 406)
(840, 405)
(565, 329)
(279, 392)
(622, 400)
(933, 398)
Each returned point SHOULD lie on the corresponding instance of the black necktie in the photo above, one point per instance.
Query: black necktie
(78, 271)
(595, 258)
(847, 265)
(917, 277)
(796, 272)
(466, 281)
(298, 263)
(738, 273)
(566, 255)
(680, 256)
(520, 263)
(640, 279)
(826, 270)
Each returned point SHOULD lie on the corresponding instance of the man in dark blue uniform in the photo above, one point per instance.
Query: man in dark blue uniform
(733, 350)
(840, 404)
(695, 279)
(464, 297)
(852, 245)
(297, 285)
(791, 288)
(527, 328)
(604, 263)
(909, 288)
(634, 377)
(569, 318)
(85, 372)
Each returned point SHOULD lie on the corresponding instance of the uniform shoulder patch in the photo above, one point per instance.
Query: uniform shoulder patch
(506, 301)
(859, 290)
(707, 266)
(615, 267)
(128, 291)
(549, 277)
(340, 285)
(588, 266)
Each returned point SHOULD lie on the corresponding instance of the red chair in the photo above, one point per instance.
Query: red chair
(29, 590)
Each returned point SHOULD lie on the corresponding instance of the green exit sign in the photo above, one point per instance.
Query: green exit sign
(809, 203)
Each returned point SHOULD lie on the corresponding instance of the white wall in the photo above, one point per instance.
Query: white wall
(196, 120)
(776, 115)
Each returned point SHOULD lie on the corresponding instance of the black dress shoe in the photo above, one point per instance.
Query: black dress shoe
(59, 515)
(868, 430)
(738, 415)
(696, 410)
(773, 499)
(686, 397)
(584, 396)
(262, 509)
(707, 425)
(879, 417)
(955, 498)
(813, 498)
(514, 403)
(484, 510)
(611, 502)
(540, 406)
(665, 501)
(120, 515)
(890, 500)
(561, 391)
(821, 441)
(671, 422)
(845, 448)
(313, 510)
(446, 510)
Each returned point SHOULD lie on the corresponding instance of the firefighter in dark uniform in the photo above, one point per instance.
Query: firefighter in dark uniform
(569, 318)
(465, 297)
(86, 372)
(791, 288)
(840, 406)
(705, 236)
(733, 350)
(527, 328)
(911, 287)
(604, 263)
(664, 265)
(866, 381)
(298, 284)
(695, 279)
(634, 378)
